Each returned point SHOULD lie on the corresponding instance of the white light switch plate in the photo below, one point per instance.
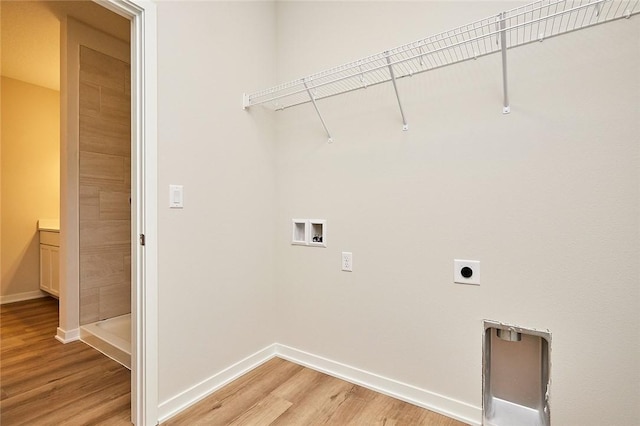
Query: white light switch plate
(176, 196)
(459, 271)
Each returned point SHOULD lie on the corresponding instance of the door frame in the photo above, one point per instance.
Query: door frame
(144, 259)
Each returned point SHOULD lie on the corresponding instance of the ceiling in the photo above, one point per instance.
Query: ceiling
(31, 36)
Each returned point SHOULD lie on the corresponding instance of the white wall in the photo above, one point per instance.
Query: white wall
(216, 255)
(547, 198)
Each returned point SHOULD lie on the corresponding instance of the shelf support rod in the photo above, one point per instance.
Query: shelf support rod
(405, 126)
(313, 101)
(506, 109)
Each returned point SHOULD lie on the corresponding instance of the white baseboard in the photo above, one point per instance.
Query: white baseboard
(67, 336)
(19, 297)
(423, 398)
(194, 394)
(444, 405)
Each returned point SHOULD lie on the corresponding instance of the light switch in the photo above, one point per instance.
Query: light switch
(176, 196)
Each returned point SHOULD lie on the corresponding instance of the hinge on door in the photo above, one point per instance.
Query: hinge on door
(141, 239)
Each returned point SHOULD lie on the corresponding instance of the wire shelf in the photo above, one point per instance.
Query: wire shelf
(516, 27)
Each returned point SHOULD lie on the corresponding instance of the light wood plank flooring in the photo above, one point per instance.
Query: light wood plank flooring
(282, 393)
(44, 382)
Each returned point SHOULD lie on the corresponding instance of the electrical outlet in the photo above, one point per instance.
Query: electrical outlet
(466, 271)
(347, 261)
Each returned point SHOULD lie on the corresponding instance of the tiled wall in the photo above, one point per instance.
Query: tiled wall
(105, 181)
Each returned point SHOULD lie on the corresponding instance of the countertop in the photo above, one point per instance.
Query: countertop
(51, 225)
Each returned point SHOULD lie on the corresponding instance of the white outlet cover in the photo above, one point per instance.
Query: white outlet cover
(347, 261)
(474, 265)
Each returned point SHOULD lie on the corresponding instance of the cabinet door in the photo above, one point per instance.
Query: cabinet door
(45, 268)
(55, 271)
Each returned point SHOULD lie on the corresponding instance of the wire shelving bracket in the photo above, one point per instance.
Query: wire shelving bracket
(526, 24)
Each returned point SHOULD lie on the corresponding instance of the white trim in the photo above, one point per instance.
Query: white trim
(144, 298)
(203, 389)
(67, 336)
(421, 397)
(432, 401)
(144, 262)
(19, 297)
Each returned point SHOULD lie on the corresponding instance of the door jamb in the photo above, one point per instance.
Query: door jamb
(144, 297)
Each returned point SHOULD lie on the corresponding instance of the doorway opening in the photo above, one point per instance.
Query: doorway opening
(140, 17)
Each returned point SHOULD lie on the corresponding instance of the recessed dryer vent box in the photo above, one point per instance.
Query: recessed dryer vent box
(515, 376)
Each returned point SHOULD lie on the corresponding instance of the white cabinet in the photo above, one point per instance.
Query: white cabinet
(50, 262)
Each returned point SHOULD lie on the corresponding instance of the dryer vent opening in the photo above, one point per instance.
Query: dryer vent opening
(516, 376)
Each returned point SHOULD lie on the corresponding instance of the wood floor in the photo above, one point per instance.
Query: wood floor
(44, 382)
(282, 393)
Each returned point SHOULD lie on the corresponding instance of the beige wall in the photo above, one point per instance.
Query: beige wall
(30, 179)
(547, 198)
(216, 256)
